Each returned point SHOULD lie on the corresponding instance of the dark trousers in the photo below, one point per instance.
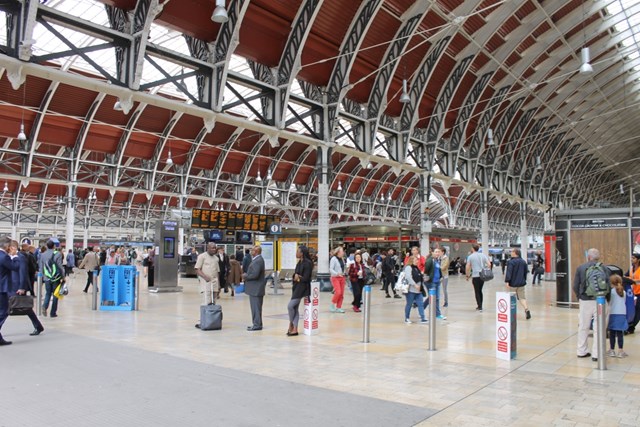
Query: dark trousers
(150, 278)
(478, 283)
(357, 292)
(49, 289)
(538, 275)
(89, 280)
(612, 339)
(636, 319)
(256, 310)
(389, 280)
(4, 309)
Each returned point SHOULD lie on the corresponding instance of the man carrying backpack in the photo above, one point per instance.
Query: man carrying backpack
(50, 265)
(591, 280)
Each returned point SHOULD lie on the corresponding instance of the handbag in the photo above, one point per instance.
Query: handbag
(20, 305)
(402, 284)
(486, 274)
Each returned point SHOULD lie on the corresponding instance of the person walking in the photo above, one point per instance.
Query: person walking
(474, 265)
(254, 286)
(235, 273)
(516, 278)
(444, 270)
(538, 268)
(32, 265)
(433, 276)
(21, 284)
(52, 274)
(71, 262)
(336, 269)
(8, 264)
(617, 317)
(90, 262)
(223, 269)
(587, 304)
(389, 274)
(356, 276)
(634, 275)
(301, 288)
(414, 277)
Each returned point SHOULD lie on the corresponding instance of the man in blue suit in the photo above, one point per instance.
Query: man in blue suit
(254, 286)
(21, 284)
(8, 264)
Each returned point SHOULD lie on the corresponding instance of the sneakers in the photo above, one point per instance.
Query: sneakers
(339, 310)
(387, 296)
(441, 317)
(621, 354)
(44, 312)
(332, 308)
(424, 321)
(611, 353)
(528, 313)
(356, 309)
(397, 296)
(407, 321)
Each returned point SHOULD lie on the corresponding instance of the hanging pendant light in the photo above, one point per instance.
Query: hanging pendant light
(6, 187)
(490, 142)
(220, 13)
(169, 159)
(258, 178)
(339, 185)
(405, 98)
(164, 202)
(586, 67)
(21, 135)
(269, 175)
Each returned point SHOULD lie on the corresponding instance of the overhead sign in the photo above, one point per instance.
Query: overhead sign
(578, 224)
(208, 219)
(275, 228)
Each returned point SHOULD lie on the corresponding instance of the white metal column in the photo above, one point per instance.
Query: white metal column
(484, 217)
(323, 214)
(524, 235)
(71, 217)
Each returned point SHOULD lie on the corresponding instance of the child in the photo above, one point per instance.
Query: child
(617, 317)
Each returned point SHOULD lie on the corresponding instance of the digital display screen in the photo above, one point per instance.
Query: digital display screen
(169, 247)
(243, 237)
(225, 220)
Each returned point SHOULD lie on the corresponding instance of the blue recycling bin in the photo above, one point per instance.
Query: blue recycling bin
(117, 287)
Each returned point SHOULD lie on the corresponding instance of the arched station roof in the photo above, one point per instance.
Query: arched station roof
(231, 115)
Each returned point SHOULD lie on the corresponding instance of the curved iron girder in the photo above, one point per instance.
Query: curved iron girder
(380, 183)
(520, 165)
(550, 174)
(84, 131)
(515, 139)
(294, 171)
(222, 158)
(477, 142)
(376, 105)
(191, 157)
(244, 173)
(124, 140)
(37, 125)
(275, 161)
(119, 20)
(489, 156)
(337, 86)
(155, 160)
(529, 160)
(545, 155)
(409, 115)
(226, 43)
(144, 15)
(290, 61)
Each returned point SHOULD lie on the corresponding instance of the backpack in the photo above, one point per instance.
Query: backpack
(51, 271)
(369, 277)
(596, 283)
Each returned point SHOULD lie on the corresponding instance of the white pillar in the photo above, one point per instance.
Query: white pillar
(524, 235)
(547, 220)
(323, 214)
(85, 238)
(484, 217)
(180, 239)
(425, 220)
(14, 231)
(71, 218)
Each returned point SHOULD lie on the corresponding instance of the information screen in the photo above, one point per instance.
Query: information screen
(195, 218)
(232, 221)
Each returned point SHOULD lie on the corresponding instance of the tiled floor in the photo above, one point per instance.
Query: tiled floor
(463, 381)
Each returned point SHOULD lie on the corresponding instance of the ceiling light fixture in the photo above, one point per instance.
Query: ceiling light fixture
(117, 106)
(22, 136)
(339, 185)
(490, 142)
(220, 13)
(164, 202)
(586, 67)
(169, 159)
(405, 98)
(258, 178)
(6, 187)
(269, 175)
(538, 163)
(621, 188)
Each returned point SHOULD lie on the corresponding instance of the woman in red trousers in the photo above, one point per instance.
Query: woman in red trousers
(336, 269)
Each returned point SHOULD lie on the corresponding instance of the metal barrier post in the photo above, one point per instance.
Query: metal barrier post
(602, 334)
(367, 314)
(432, 319)
(39, 293)
(137, 293)
(94, 293)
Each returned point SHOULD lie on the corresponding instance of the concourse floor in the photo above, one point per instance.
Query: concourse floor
(153, 367)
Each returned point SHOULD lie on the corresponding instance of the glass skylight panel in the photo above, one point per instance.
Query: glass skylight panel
(3, 29)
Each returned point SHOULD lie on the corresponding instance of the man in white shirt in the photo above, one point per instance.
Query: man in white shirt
(207, 268)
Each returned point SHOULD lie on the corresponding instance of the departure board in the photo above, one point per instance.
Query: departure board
(195, 218)
(225, 220)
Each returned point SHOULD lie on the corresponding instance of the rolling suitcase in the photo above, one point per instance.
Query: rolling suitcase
(211, 316)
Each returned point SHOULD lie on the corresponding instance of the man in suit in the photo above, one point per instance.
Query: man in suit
(8, 264)
(254, 286)
(21, 284)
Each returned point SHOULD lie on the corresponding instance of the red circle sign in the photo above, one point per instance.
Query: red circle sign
(315, 314)
(502, 333)
(502, 306)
